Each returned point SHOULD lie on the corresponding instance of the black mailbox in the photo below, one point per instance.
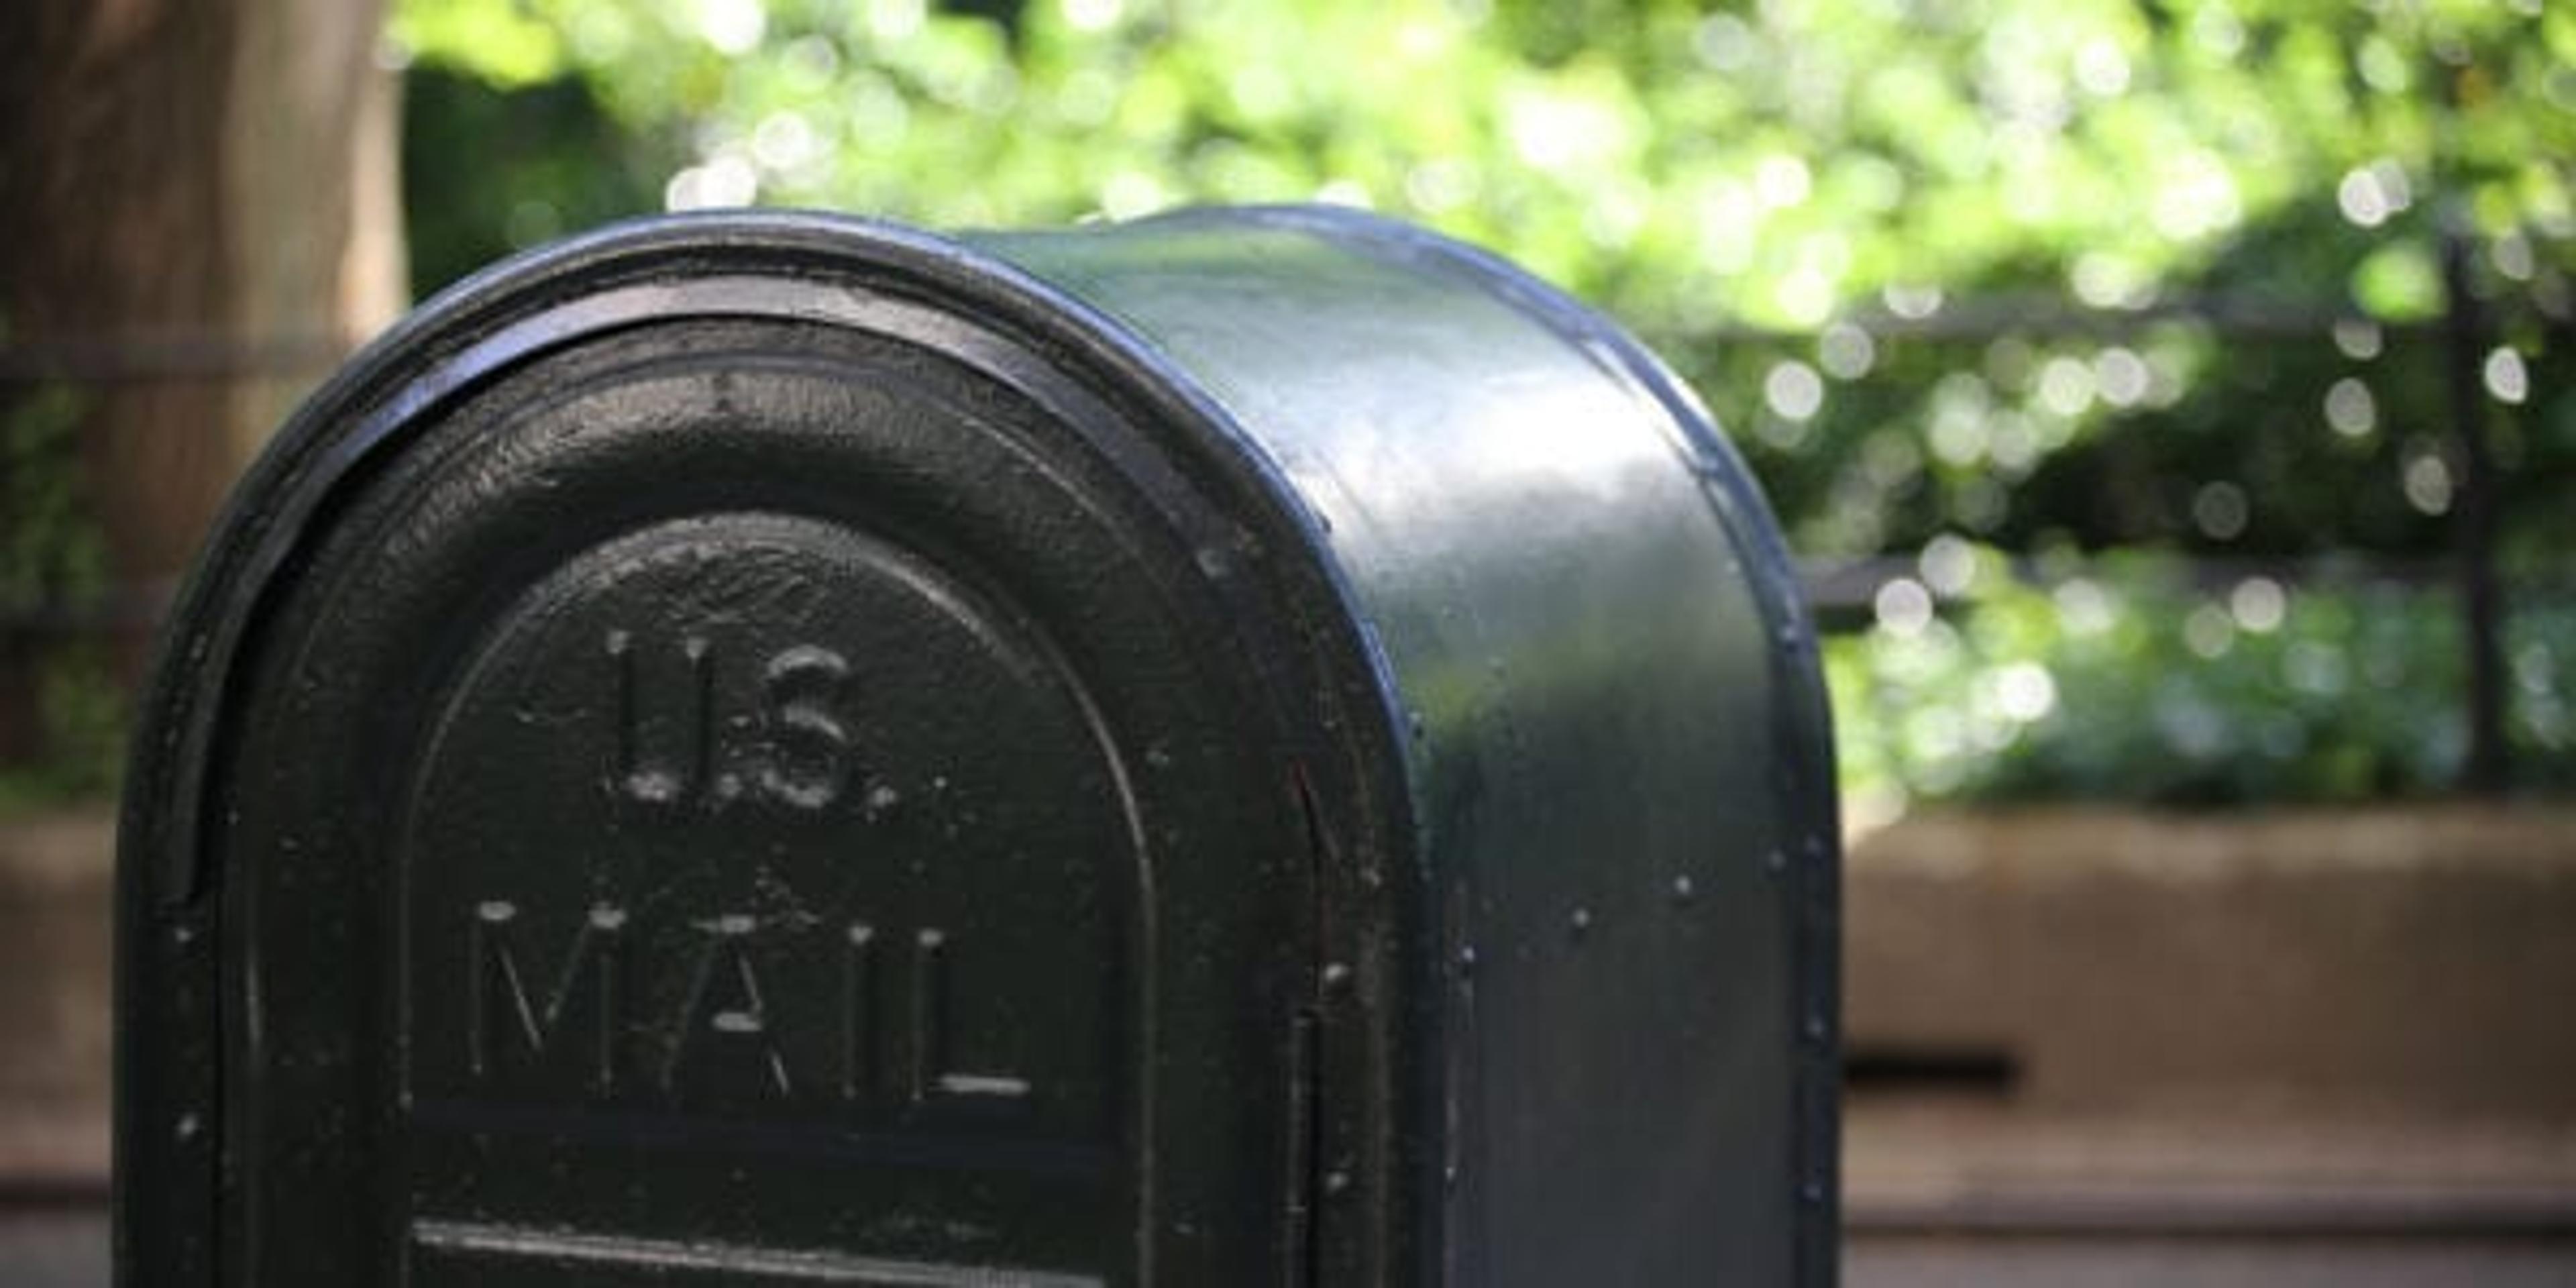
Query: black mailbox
(1247, 747)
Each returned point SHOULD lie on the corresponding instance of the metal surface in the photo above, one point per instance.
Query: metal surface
(1248, 747)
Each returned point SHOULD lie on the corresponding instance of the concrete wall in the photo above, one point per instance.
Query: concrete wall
(2415, 962)
(2411, 965)
(55, 875)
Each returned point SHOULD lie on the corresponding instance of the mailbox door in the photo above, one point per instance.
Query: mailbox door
(726, 776)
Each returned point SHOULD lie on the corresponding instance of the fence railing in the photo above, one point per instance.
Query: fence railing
(1837, 588)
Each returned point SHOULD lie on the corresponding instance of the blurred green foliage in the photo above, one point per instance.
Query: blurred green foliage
(1858, 225)
(2100, 275)
(1778, 165)
(2129, 681)
(50, 549)
(491, 168)
(53, 560)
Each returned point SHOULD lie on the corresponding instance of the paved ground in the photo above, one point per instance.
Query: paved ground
(1995, 1262)
(1943, 1194)
(1927, 1166)
(68, 1249)
(53, 1248)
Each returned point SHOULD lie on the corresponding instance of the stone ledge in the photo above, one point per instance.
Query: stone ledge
(1930, 1168)
(2200, 979)
(56, 899)
(2381, 962)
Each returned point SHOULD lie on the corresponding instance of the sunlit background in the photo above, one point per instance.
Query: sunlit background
(2100, 358)
(2106, 338)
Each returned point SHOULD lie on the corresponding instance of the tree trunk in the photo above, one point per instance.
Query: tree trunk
(197, 217)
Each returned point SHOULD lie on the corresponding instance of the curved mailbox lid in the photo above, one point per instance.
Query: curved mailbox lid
(1618, 743)
(769, 747)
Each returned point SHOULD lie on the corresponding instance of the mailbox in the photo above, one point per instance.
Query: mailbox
(1252, 746)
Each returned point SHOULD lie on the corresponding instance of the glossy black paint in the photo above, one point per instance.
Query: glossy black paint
(1254, 746)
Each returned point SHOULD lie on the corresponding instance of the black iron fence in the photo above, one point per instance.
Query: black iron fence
(1832, 417)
